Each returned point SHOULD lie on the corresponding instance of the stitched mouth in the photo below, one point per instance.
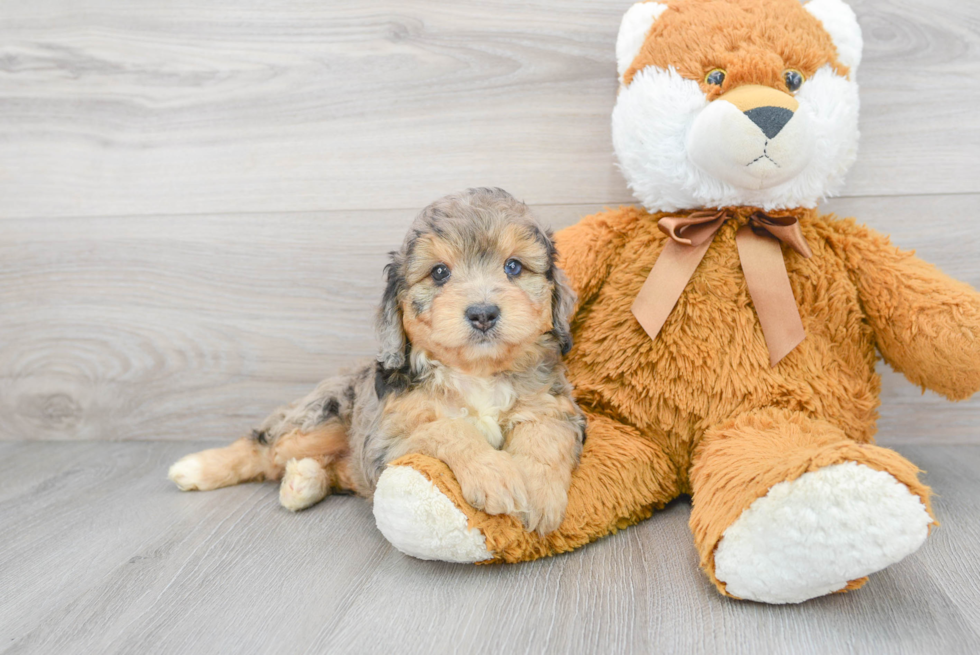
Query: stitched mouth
(764, 155)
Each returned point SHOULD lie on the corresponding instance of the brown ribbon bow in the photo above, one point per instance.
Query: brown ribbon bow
(762, 262)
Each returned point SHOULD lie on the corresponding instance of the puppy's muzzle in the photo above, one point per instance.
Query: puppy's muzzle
(482, 317)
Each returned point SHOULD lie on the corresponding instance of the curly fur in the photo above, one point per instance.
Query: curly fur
(495, 405)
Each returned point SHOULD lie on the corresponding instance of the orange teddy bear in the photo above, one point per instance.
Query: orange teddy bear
(741, 368)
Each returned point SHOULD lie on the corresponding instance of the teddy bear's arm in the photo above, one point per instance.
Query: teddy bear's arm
(587, 250)
(927, 325)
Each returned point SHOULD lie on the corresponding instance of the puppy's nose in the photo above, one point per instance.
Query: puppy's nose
(769, 119)
(482, 317)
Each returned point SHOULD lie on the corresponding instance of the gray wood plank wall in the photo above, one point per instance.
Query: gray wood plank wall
(196, 197)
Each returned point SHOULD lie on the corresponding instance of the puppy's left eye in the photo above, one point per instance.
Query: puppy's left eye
(513, 267)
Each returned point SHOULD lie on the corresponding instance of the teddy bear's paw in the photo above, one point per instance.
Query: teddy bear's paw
(419, 520)
(304, 483)
(809, 537)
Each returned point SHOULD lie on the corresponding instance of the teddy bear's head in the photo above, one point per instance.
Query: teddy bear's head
(736, 102)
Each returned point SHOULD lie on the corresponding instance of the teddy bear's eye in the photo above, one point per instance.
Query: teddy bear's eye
(794, 79)
(715, 77)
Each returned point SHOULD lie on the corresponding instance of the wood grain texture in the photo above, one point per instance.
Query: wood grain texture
(196, 199)
(191, 327)
(126, 107)
(101, 554)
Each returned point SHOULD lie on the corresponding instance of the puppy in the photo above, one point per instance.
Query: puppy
(473, 323)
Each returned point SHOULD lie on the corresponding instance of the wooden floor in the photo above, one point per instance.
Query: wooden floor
(102, 555)
(196, 199)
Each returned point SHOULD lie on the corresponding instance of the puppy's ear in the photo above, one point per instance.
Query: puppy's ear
(562, 306)
(391, 334)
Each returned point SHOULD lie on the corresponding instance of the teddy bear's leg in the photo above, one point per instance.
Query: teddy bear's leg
(787, 508)
(621, 479)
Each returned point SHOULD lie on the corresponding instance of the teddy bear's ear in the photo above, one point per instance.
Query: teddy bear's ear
(633, 31)
(841, 23)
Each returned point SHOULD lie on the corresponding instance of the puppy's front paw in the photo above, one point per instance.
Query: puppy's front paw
(547, 497)
(492, 482)
(546, 505)
(305, 483)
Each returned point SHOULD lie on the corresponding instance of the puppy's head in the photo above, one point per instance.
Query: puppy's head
(474, 286)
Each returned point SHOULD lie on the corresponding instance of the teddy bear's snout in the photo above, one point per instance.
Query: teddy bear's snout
(769, 109)
(752, 137)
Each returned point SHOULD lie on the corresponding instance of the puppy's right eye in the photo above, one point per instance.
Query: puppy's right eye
(440, 273)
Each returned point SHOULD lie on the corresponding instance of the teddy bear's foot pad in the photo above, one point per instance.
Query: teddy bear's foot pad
(419, 520)
(810, 536)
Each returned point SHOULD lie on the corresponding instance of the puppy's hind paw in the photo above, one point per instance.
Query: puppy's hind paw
(188, 474)
(305, 483)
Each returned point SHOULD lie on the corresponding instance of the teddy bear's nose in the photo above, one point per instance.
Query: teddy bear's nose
(769, 119)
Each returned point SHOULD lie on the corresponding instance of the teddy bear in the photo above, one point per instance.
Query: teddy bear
(726, 331)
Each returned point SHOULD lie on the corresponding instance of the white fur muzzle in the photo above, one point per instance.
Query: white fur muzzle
(727, 145)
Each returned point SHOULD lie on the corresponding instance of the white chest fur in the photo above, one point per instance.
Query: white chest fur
(483, 401)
